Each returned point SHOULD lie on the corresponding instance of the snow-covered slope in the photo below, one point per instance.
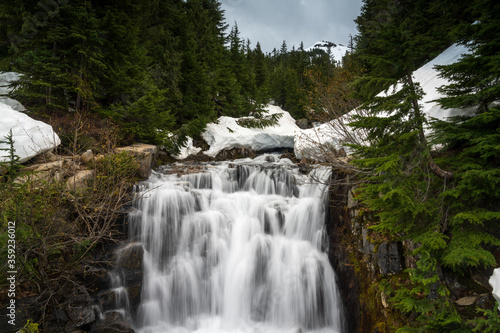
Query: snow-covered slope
(337, 51)
(334, 135)
(31, 137)
(227, 134)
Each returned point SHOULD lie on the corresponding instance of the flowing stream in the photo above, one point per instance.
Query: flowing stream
(235, 247)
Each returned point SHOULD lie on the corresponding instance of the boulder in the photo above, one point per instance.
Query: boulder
(87, 157)
(146, 155)
(389, 259)
(80, 180)
(131, 256)
(113, 322)
(81, 309)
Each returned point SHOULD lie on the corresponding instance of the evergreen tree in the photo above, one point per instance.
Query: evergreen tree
(403, 182)
(473, 143)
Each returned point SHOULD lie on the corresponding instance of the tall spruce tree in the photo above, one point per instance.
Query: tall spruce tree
(472, 143)
(403, 182)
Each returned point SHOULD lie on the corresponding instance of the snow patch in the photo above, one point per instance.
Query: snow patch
(332, 134)
(337, 51)
(227, 134)
(188, 150)
(495, 283)
(31, 137)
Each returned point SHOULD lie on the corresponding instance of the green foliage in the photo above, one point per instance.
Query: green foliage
(56, 226)
(451, 223)
(489, 322)
(471, 144)
(475, 76)
(30, 327)
(146, 119)
(426, 297)
(11, 167)
(261, 121)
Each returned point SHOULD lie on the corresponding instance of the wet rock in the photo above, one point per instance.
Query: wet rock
(389, 258)
(234, 153)
(270, 159)
(81, 310)
(113, 322)
(96, 278)
(302, 123)
(131, 256)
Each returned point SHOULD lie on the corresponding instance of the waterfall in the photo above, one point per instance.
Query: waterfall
(235, 247)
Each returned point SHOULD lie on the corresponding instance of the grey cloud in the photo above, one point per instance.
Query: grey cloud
(272, 21)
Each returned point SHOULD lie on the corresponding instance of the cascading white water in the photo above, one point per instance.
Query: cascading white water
(236, 248)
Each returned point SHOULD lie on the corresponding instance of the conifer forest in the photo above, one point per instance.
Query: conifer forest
(157, 72)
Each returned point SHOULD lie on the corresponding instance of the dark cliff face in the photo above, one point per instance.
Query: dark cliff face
(355, 259)
(339, 230)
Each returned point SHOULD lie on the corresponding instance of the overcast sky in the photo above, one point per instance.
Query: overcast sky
(270, 22)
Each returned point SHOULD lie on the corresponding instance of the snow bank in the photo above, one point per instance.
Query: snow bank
(495, 283)
(334, 133)
(188, 150)
(227, 134)
(31, 137)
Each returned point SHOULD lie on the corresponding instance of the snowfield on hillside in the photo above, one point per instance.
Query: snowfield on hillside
(335, 133)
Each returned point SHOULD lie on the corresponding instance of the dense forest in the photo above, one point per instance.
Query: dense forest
(161, 70)
(152, 67)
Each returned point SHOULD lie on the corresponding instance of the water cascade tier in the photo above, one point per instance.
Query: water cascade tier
(235, 247)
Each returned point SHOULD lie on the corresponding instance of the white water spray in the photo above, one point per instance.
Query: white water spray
(237, 248)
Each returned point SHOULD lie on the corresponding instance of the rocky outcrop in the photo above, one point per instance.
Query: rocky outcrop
(113, 322)
(85, 306)
(146, 155)
(233, 153)
(362, 258)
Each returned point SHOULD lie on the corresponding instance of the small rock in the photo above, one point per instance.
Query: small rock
(466, 301)
(87, 157)
(270, 159)
(302, 123)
